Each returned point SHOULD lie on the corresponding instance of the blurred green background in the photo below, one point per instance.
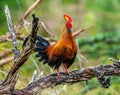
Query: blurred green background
(97, 44)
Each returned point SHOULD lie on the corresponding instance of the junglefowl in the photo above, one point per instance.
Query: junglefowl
(61, 52)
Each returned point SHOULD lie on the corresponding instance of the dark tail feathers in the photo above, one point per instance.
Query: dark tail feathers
(41, 46)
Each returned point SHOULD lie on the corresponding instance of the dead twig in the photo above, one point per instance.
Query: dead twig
(5, 53)
(6, 61)
(12, 32)
(43, 25)
(6, 37)
(76, 33)
(29, 10)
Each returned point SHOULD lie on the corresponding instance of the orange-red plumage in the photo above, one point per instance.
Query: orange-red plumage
(63, 51)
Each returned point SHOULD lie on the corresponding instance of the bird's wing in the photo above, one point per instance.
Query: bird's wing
(56, 56)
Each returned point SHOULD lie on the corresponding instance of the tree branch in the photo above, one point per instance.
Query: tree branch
(5, 53)
(29, 10)
(8, 84)
(6, 61)
(75, 76)
(12, 32)
(76, 33)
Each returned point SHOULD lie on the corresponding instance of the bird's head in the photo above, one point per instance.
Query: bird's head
(68, 21)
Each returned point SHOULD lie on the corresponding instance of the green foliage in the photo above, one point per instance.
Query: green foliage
(106, 6)
(105, 44)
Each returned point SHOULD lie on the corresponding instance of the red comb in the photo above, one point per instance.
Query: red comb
(67, 18)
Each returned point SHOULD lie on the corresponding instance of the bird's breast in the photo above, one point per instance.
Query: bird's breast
(70, 51)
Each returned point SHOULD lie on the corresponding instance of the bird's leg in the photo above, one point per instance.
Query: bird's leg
(67, 71)
(58, 72)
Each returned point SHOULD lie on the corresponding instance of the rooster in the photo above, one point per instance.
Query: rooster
(61, 52)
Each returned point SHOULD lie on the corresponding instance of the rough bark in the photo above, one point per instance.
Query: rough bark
(7, 86)
(75, 76)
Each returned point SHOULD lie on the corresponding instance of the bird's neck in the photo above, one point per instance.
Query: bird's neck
(66, 33)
